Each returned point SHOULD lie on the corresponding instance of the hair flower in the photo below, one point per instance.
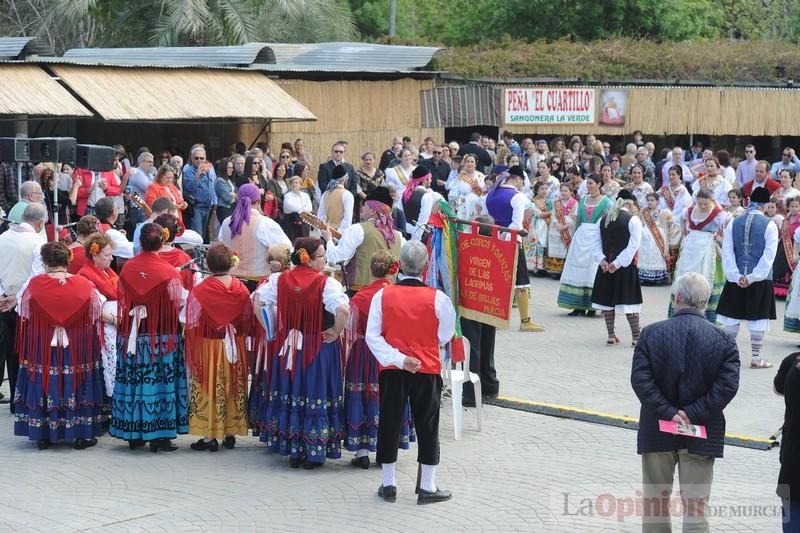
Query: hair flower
(164, 235)
(94, 249)
(304, 257)
(234, 260)
(394, 267)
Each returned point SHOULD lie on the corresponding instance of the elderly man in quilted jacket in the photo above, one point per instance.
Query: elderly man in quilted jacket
(685, 370)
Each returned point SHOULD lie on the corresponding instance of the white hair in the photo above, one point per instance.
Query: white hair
(630, 148)
(34, 213)
(142, 157)
(692, 290)
(197, 149)
(413, 258)
(28, 188)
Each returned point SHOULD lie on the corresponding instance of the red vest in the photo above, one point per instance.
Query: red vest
(410, 324)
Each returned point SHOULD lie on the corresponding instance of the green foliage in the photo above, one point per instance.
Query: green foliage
(718, 61)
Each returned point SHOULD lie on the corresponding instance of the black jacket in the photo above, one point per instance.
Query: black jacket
(438, 172)
(326, 171)
(484, 159)
(687, 363)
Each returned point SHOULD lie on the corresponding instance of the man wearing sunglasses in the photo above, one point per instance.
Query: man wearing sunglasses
(746, 171)
(439, 170)
(788, 161)
(198, 183)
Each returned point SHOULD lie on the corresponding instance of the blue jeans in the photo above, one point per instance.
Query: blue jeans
(791, 516)
(200, 221)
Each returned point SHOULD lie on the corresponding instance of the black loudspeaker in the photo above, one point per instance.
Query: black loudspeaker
(15, 149)
(49, 149)
(94, 157)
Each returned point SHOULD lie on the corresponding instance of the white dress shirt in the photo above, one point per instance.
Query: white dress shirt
(625, 257)
(347, 217)
(297, 202)
(384, 352)
(333, 295)
(688, 177)
(417, 231)
(123, 248)
(764, 265)
(344, 250)
(268, 232)
(20, 241)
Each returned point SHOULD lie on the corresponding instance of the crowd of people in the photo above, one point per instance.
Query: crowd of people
(253, 294)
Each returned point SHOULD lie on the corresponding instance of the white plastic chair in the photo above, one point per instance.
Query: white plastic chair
(456, 378)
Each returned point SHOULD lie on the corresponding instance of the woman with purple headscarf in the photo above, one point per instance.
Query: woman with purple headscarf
(250, 234)
(360, 241)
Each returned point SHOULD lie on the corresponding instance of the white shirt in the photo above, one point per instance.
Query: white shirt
(764, 265)
(745, 172)
(296, 202)
(681, 201)
(19, 241)
(123, 248)
(345, 249)
(688, 177)
(625, 257)
(393, 180)
(268, 232)
(390, 356)
(729, 174)
(333, 295)
(640, 192)
(426, 205)
(347, 201)
(720, 191)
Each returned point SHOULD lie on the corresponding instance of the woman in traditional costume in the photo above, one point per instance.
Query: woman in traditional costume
(399, 175)
(577, 279)
(659, 233)
(735, 199)
(560, 230)
(175, 256)
(150, 393)
(541, 210)
(59, 389)
(304, 417)
(700, 251)
(218, 319)
(362, 393)
(785, 258)
(464, 187)
(87, 225)
(99, 248)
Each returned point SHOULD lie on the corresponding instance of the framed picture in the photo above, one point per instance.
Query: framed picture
(613, 107)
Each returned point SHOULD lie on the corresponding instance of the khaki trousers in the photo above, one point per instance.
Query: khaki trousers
(695, 473)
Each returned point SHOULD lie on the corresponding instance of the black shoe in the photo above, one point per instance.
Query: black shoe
(229, 442)
(388, 493)
(577, 312)
(82, 444)
(360, 462)
(42, 444)
(3, 399)
(591, 314)
(308, 465)
(136, 443)
(294, 462)
(426, 497)
(202, 445)
(162, 445)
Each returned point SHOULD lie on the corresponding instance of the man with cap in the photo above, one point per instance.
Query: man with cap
(616, 287)
(506, 205)
(360, 241)
(407, 325)
(336, 205)
(418, 202)
(749, 244)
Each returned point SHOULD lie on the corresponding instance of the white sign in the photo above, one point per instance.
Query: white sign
(550, 106)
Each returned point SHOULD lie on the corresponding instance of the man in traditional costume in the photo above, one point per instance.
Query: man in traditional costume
(407, 324)
(616, 285)
(506, 204)
(360, 241)
(418, 201)
(749, 245)
(336, 205)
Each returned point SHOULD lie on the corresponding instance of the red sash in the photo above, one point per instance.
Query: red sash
(666, 194)
(651, 225)
(566, 238)
(788, 245)
(702, 224)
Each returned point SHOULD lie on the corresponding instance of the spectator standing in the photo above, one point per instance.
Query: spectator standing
(746, 170)
(474, 147)
(440, 170)
(685, 370)
(788, 161)
(198, 182)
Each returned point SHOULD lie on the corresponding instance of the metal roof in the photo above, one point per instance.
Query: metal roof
(277, 57)
(20, 47)
(233, 56)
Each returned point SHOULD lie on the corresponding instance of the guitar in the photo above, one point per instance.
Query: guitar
(135, 198)
(315, 222)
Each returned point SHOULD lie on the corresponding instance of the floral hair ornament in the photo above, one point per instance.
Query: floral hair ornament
(394, 267)
(234, 260)
(69, 254)
(164, 235)
(94, 249)
(302, 253)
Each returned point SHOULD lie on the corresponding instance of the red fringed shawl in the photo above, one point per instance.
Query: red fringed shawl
(71, 304)
(79, 259)
(106, 281)
(179, 258)
(357, 328)
(210, 309)
(149, 281)
(300, 307)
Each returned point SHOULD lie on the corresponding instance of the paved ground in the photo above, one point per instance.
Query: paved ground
(523, 472)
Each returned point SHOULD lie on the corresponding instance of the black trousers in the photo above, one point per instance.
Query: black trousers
(481, 357)
(8, 357)
(423, 392)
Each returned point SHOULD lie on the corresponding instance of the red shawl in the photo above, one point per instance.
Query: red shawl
(150, 281)
(179, 258)
(210, 309)
(70, 304)
(79, 259)
(105, 281)
(360, 303)
(357, 328)
(300, 307)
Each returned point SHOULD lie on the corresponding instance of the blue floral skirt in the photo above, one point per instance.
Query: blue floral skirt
(362, 402)
(150, 393)
(69, 409)
(302, 416)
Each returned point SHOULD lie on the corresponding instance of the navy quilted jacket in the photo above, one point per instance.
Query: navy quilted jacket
(685, 363)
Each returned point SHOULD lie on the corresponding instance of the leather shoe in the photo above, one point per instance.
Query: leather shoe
(229, 442)
(388, 493)
(426, 497)
(42, 444)
(82, 444)
(360, 462)
(3, 399)
(202, 445)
